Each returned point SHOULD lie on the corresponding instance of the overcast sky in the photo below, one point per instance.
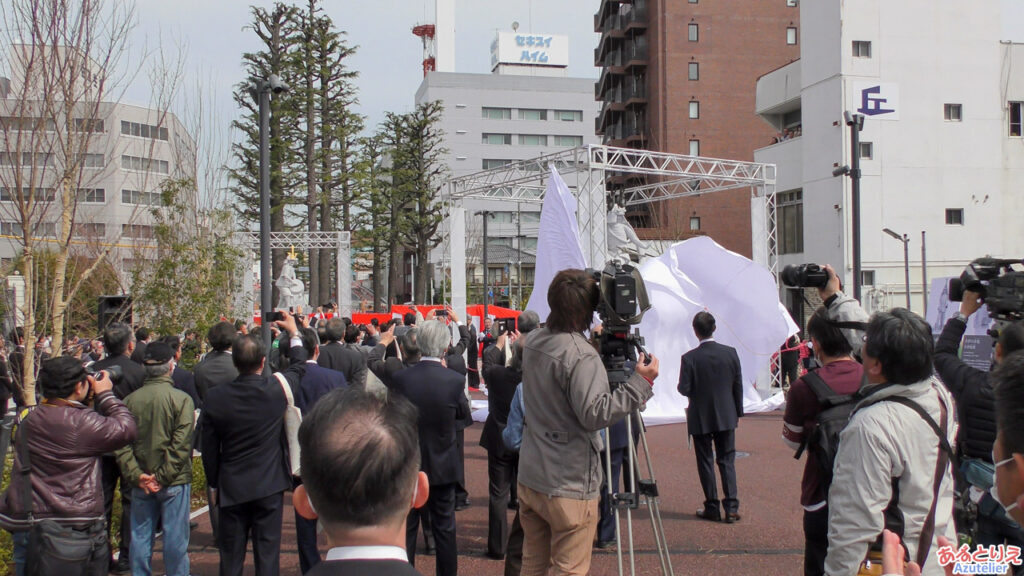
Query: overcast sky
(389, 56)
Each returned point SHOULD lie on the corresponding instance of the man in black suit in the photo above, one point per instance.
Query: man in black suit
(216, 368)
(337, 356)
(360, 465)
(439, 394)
(245, 453)
(501, 462)
(119, 341)
(316, 383)
(141, 341)
(710, 377)
(473, 354)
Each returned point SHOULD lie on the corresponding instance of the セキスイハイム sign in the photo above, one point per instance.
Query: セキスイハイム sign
(876, 100)
(530, 49)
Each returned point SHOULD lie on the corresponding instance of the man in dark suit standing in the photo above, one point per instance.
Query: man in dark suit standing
(337, 356)
(316, 383)
(216, 368)
(245, 453)
(361, 467)
(710, 377)
(472, 354)
(439, 394)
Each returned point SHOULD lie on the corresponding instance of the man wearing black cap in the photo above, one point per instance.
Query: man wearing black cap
(158, 465)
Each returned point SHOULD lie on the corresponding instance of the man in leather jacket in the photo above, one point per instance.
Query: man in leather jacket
(66, 439)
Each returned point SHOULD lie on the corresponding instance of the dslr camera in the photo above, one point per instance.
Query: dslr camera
(115, 373)
(621, 304)
(998, 283)
(804, 276)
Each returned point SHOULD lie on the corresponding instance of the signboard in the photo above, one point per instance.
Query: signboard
(977, 346)
(877, 100)
(530, 49)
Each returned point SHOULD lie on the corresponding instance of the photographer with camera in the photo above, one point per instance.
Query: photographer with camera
(839, 374)
(974, 394)
(568, 400)
(56, 474)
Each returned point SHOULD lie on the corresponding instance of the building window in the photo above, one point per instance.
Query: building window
(144, 130)
(91, 160)
(792, 3)
(790, 218)
(953, 112)
(955, 216)
(528, 244)
(42, 229)
(27, 159)
(139, 197)
(145, 164)
(694, 223)
(861, 49)
(791, 35)
(497, 113)
(529, 217)
(497, 139)
(569, 115)
(11, 229)
(569, 141)
(692, 31)
(533, 140)
(693, 1)
(92, 195)
(489, 163)
(867, 150)
(136, 231)
(694, 109)
(867, 277)
(89, 230)
(694, 147)
(87, 125)
(27, 123)
(532, 114)
(38, 194)
(694, 71)
(1016, 109)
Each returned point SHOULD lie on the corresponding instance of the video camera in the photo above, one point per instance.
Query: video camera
(621, 304)
(1000, 286)
(804, 276)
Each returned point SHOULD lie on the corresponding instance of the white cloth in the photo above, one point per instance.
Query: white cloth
(367, 553)
(699, 274)
(558, 242)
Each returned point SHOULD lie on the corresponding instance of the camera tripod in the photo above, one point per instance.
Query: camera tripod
(616, 347)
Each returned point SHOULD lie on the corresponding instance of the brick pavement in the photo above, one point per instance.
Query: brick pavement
(767, 542)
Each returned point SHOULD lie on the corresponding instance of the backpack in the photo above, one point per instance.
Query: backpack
(823, 439)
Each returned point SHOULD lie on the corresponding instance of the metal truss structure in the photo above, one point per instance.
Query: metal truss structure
(586, 170)
(340, 242)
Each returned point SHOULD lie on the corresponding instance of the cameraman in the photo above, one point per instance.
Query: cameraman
(567, 397)
(973, 391)
(66, 439)
(842, 374)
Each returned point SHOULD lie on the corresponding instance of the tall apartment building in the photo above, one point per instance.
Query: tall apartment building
(526, 108)
(128, 153)
(679, 76)
(942, 148)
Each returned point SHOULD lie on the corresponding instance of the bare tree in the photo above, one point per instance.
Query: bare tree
(65, 71)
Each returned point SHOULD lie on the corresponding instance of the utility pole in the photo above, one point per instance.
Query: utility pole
(906, 260)
(486, 214)
(856, 124)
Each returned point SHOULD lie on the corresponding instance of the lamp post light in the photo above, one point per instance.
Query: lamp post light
(856, 124)
(906, 259)
(260, 91)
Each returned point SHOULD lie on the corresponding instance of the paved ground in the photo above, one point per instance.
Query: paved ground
(767, 542)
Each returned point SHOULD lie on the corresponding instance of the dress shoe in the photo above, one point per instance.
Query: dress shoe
(495, 556)
(709, 514)
(604, 544)
(462, 505)
(731, 517)
(513, 504)
(122, 566)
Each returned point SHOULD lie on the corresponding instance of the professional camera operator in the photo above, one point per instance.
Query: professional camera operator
(974, 394)
(568, 400)
(65, 439)
(840, 373)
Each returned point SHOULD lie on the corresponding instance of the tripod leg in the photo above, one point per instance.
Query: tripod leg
(631, 447)
(653, 503)
(611, 494)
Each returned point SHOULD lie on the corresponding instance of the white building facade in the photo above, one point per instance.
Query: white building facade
(942, 148)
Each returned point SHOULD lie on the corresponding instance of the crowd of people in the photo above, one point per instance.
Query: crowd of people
(364, 426)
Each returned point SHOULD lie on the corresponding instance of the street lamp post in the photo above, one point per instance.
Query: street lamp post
(856, 124)
(906, 259)
(260, 92)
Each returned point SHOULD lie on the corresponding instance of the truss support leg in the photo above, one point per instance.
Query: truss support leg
(457, 258)
(344, 267)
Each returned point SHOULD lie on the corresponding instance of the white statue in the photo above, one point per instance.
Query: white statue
(621, 236)
(291, 290)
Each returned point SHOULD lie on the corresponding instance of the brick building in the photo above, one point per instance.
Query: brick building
(680, 76)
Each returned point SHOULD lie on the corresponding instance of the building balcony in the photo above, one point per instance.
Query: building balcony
(636, 53)
(635, 92)
(637, 17)
(778, 92)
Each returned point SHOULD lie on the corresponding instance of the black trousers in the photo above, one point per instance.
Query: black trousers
(110, 475)
(260, 518)
(305, 537)
(441, 504)
(815, 541)
(725, 455)
(461, 495)
(501, 476)
(606, 523)
(514, 554)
